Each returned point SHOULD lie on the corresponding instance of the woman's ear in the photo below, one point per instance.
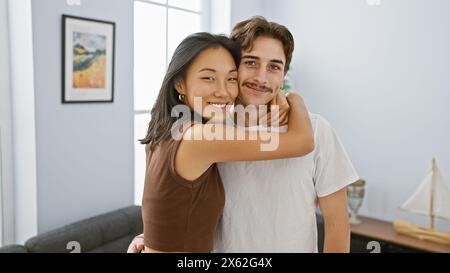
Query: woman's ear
(180, 86)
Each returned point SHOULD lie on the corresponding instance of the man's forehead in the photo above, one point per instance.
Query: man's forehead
(263, 57)
(265, 49)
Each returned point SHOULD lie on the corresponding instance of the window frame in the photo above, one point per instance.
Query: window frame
(204, 26)
(5, 130)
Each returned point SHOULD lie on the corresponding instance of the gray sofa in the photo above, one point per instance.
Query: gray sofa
(107, 233)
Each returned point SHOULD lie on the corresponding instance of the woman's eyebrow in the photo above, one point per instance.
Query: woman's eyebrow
(213, 70)
(207, 69)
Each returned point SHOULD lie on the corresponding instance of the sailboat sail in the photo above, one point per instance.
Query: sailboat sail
(420, 201)
(441, 197)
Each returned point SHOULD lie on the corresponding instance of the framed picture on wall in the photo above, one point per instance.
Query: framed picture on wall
(87, 60)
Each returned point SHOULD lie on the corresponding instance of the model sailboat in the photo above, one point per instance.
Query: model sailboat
(431, 198)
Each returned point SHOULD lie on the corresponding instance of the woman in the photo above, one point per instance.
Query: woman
(183, 193)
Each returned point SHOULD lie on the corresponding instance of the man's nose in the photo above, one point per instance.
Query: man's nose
(261, 76)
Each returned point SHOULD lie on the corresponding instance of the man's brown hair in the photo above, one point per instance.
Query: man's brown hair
(247, 31)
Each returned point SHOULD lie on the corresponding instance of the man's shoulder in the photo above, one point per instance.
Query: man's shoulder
(314, 117)
(320, 125)
(318, 121)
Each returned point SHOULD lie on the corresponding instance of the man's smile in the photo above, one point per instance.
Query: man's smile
(257, 89)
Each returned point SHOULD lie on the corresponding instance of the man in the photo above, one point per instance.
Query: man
(270, 205)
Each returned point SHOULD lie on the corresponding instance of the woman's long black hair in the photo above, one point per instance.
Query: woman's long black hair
(161, 122)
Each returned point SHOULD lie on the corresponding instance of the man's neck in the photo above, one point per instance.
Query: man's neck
(245, 120)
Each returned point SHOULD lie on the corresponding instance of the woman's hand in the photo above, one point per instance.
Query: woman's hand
(137, 245)
(293, 97)
(281, 118)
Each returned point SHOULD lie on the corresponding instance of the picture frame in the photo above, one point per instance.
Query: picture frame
(88, 50)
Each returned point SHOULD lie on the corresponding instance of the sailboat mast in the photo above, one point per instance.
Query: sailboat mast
(433, 182)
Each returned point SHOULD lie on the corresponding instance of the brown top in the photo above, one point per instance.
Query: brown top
(179, 215)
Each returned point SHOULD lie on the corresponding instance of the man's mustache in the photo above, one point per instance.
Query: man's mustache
(263, 88)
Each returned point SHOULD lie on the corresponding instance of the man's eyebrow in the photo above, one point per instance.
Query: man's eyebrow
(250, 57)
(277, 61)
(258, 58)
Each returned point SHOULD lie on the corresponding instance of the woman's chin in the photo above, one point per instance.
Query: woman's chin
(217, 120)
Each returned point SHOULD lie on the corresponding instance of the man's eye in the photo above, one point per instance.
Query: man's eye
(208, 78)
(233, 79)
(250, 63)
(275, 67)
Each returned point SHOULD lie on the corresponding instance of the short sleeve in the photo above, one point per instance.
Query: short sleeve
(333, 168)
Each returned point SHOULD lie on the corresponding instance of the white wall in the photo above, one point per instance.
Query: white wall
(379, 74)
(241, 10)
(84, 151)
(6, 168)
(219, 16)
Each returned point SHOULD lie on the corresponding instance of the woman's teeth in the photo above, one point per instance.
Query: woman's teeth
(218, 105)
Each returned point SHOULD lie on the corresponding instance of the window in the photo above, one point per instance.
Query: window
(1, 190)
(159, 26)
(5, 125)
(17, 119)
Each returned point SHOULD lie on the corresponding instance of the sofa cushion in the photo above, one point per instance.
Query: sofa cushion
(116, 246)
(13, 249)
(109, 232)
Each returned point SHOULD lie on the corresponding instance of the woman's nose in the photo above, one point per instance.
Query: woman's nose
(221, 90)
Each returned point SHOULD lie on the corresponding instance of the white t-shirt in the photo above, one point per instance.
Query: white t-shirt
(270, 205)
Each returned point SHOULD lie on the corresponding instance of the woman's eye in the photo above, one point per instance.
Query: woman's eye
(208, 78)
(233, 79)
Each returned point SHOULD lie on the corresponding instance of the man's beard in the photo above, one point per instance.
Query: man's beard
(262, 88)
